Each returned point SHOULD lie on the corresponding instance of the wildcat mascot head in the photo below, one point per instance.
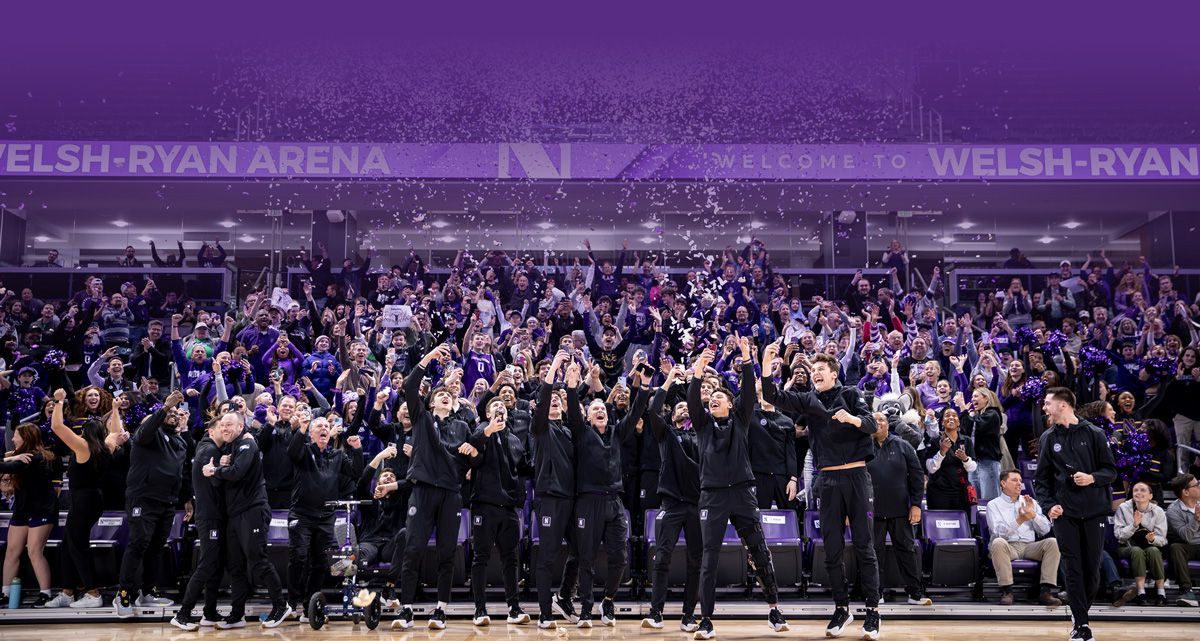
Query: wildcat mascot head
(902, 419)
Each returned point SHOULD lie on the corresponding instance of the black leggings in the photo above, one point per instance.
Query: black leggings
(86, 507)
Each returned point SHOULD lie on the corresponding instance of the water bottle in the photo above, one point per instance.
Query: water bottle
(14, 594)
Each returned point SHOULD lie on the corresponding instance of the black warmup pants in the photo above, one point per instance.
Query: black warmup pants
(492, 525)
(246, 549)
(87, 505)
(1080, 542)
(677, 516)
(904, 549)
(600, 520)
(430, 509)
(149, 525)
(841, 495)
(309, 541)
(771, 490)
(554, 525)
(210, 564)
(719, 507)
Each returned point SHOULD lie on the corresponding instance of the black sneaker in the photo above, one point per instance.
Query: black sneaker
(405, 621)
(688, 623)
(388, 597)
(1139, 600)
(566, 609)
(1160, 600)
(584, 620)
(278, 615)
(837, 625)
(546, 622)
(705, 631)
(481, 617)
(41, 600)
(653, 620)
(871, 625)
(184, 621)
(608, 613)
(437, 620)
(1081, 633)
(516, 615)
(776, 621)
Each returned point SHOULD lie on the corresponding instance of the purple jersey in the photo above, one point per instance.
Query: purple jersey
(475, 367)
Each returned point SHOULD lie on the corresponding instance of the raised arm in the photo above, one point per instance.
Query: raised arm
(75, 442)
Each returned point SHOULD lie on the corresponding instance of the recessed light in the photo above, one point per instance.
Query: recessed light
(966, 224)
(446, 239)
(649, 239)
(247, 238)
(145, 239)
(227, 224)
(946, 240)
(1072, 224)
(1046, 240)
(650, 224)
(440, 224)
(545, 225)
(548, 239)
(42, 239)
(120, 223)
(757, 224)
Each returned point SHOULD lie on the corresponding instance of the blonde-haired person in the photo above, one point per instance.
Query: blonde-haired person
(1141, 527)
(981, 419)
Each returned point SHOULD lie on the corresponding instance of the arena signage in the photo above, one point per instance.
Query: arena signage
(596, 161)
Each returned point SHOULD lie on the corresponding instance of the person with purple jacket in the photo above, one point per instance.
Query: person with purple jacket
(259, 339)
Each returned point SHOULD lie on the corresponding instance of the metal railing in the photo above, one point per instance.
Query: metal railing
(58, 283)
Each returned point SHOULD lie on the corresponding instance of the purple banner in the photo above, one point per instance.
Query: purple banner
(596, 161)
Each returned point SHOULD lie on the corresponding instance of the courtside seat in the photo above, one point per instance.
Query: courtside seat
(1025, 571)
(952, 551)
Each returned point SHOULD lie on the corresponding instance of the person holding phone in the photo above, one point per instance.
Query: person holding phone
(1072, 482)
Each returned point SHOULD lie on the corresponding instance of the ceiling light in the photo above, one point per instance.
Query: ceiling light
(145, 239)
(545, 224)
(946, 240)
(440, 224)
(548, 239)
(247, 238)
(757, 224)
(120, 223)
(647, 239)
(446, 239)
(1046, 240)
(1072, 224)
(42, 239)
(650, 224)
(966, 224)
(227, 224)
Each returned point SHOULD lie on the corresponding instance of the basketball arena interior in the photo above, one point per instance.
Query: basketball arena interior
(400, 323)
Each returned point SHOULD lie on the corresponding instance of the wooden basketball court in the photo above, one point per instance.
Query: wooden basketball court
(462, 630)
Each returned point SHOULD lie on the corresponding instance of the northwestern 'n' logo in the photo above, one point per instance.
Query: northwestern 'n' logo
(534, 160)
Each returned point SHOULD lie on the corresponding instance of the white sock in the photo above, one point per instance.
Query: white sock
(46, 592)
(1141, 590)
(441, 605)
(409, 606)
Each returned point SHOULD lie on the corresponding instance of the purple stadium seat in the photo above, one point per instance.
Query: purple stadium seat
(953, 552)
(1022, 568)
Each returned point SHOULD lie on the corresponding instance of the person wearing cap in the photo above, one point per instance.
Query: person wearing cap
(1057, 301)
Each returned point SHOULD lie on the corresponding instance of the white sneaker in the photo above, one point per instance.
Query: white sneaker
(231, 625)
(88, 601)
(60, 601)
(152, 601)
(205, 622)
(920, 601)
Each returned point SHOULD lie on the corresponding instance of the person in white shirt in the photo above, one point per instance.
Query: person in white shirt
(1015, 522)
